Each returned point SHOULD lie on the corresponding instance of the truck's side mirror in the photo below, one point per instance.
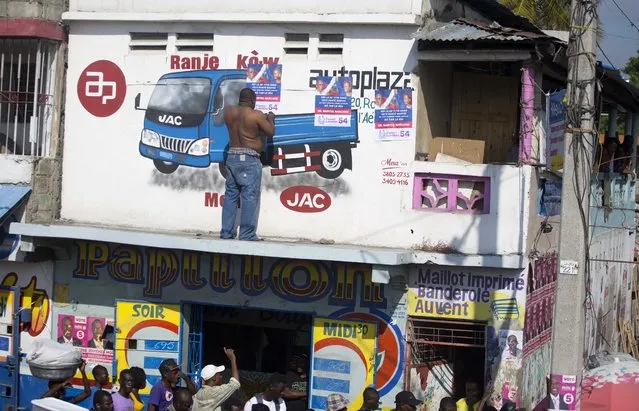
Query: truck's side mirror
(137, 102)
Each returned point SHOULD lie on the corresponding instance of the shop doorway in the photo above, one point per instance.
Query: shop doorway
(264, 341)
(444, 355)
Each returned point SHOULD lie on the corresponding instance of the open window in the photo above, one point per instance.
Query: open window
(470, 112)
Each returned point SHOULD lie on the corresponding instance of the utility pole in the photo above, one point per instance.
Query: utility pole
(568, 356)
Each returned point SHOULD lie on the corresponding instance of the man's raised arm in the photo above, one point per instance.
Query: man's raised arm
(267, 124)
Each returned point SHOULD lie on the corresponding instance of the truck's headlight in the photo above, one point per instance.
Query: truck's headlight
(200, 147)
(150, 138)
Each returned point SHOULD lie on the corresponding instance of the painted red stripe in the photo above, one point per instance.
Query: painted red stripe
(344, 343)
(32, 28)
(312, 168)
(278, 171)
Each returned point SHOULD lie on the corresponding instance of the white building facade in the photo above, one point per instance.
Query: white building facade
(398, 238)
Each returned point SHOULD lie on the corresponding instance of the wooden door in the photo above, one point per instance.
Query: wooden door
(486, 107)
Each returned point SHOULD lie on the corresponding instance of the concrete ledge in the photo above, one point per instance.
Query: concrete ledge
(32, 27)
(276, 249)
(266, 18)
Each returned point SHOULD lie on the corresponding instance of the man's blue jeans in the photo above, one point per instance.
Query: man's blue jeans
(243, 179)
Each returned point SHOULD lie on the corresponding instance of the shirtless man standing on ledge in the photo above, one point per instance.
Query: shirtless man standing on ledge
(243, 165)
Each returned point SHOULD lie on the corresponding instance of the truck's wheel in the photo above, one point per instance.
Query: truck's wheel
(332, 163)
(165, 167)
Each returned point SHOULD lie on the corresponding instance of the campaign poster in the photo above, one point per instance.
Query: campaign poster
(86, 334)
(333, 101)
(563, 392)
(266, 81)
(394, 114)
(557, 129)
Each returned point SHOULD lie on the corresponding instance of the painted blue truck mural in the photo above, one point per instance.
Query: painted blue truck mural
(184, 126)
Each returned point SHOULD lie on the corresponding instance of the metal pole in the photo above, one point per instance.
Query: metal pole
(568, 354)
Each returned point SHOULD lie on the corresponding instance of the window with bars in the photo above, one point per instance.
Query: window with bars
(27, 87)
(433, 346)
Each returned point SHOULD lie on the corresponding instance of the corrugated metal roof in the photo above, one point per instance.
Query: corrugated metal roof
(10, 196)
(502, 14)
(466, 30)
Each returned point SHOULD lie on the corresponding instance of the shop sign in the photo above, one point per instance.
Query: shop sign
(146, 334)
(305, 281)
(479, 295)
(343, 352)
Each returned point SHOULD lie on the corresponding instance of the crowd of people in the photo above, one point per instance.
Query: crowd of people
(283, 392)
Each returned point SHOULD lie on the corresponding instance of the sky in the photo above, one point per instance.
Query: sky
(620, 40)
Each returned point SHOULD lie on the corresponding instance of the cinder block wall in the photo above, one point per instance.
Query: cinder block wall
(44, 204)
(33, 9)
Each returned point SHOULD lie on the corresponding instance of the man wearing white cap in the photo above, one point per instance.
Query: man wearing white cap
(213, 393)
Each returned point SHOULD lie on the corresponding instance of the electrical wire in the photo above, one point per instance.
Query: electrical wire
(625, 15)
(606, 56)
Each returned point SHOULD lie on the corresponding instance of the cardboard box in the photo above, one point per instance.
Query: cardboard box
(462, 148)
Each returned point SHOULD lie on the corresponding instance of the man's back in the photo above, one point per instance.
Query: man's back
(245, 127)
(249, 130)
(231, 118)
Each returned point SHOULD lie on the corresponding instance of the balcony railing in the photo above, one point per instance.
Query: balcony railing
(451, 193)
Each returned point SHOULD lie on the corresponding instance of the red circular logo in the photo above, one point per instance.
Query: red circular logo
(102, 88)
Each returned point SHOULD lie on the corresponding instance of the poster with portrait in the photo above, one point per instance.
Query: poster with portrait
(394, 114)
(563, 392)
(557, 128)
(333, 101)
(87, 334)
(504, 352)
(266, 81)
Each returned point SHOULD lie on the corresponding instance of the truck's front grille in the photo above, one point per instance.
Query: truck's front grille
(179, 145)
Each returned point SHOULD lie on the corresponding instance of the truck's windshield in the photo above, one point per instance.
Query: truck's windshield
(184, 95)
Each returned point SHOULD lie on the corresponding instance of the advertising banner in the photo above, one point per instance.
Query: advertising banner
(343, 352)
(479, 295)
(557, 128)
(393, 114)
(85, 334)
(7, 311)
(333, 101)
(266, 81)
(155, 330)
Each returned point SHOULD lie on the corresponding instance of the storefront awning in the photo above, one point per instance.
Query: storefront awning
(11, 197)
(279, 249)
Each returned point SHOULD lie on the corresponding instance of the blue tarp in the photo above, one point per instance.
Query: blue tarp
(11, 197)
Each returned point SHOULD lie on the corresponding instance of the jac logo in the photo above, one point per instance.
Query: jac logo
(305, 199)
(101, 88)
(169, 119)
